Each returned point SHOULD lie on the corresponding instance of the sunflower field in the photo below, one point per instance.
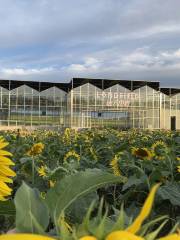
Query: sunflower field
(98, 184)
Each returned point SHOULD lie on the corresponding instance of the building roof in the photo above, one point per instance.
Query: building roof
(76, 82)
(106, 83)
(170, 91)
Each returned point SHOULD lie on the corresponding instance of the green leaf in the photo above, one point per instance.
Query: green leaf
(151, 224)
(72, 187)
(153, 235)
(31, 213)
(7, 208)
(78, 209)
(120, 222)
(133, 181)
(171, 192)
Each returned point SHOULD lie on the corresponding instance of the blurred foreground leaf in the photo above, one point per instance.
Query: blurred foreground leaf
(31, 212)
(72, 187)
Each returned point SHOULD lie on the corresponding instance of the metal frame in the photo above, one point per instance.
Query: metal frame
(16, 99)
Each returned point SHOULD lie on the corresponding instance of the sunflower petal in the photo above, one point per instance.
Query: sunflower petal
(22, 236)
(2, 198)
(5, 179)
(4, 189)
(171, 237)
(6, 171)
(119, 235)
(5, 153)
(145, 211)
(6, 161)
(3, 144)
(88, 238)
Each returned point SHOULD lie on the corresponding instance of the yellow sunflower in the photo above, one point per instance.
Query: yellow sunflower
(123, 235)
(71, 154)
(5, 171)
(36, 149)
(88, 238)
(21, 236)
(142, 153)
(67, 136)
(114, 164)
(42, 171)
(160, 150)
(174, 236)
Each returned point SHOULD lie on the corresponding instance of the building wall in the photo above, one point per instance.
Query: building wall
(170, 108)
(87, 106)
(24, 106)
(115, 106)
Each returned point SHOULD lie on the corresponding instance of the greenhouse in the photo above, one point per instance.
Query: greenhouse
(89, 103)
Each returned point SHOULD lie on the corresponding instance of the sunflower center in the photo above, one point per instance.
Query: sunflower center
(142, 152)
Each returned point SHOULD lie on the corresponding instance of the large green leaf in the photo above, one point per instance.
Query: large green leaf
(171, 192)
(79, 208)
(70, 188)
(31, 213)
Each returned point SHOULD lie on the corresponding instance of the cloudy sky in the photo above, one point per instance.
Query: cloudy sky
(55, 40)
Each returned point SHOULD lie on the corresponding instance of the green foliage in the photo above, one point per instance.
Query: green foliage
(7, 208)
(171, 192)
(71, 188)
(31, 212)
(79, 182)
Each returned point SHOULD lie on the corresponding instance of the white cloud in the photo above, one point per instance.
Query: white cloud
(172, 55)
(150, 31)
(23, 74)
(89, 64)
(10, 72)
(111, 63)
(76, 68)
(141, 63)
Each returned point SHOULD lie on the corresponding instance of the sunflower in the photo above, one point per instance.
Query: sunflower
(88, 238)
(36, 149)
(114, 164)
(160, 150)
(24, 236)
(42, 171)
(119, 235)
(67, 136)
(145, 138)
(72, 154)
(142, 153)
(174, 236)
(5, 171)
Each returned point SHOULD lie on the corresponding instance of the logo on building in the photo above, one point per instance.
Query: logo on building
(116, 99)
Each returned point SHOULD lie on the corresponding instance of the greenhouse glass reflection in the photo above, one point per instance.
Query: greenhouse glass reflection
(88, 103)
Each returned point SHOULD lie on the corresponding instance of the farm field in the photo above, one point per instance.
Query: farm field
(103, 184)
